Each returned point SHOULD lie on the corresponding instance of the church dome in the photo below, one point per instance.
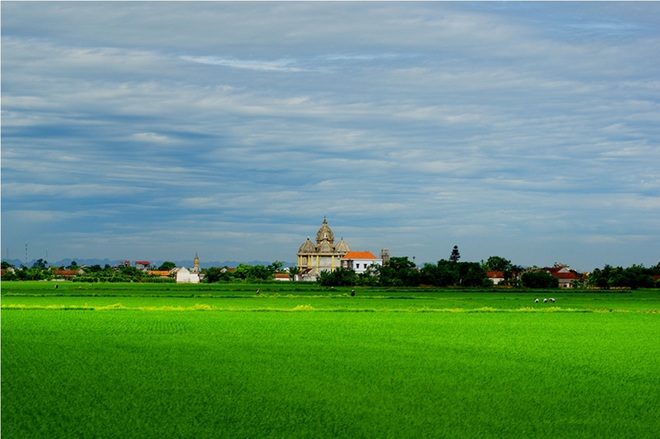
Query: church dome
(342, 247)
(324, 233)
(307, 247)
(325, 247)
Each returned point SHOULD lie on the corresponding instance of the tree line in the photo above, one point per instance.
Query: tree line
(398, 272)
(401, 271)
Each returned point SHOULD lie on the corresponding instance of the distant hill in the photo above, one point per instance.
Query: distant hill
(103, 262)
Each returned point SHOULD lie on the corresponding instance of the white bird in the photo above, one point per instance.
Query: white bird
(536, 300)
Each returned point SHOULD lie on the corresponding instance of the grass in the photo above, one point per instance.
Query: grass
(313, 363)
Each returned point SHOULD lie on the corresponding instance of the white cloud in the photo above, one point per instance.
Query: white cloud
(281, 65)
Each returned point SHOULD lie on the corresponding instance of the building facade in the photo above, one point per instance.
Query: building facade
(325, 255)
(360, 261)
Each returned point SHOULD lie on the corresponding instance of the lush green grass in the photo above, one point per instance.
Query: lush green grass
(422, 364)
(286, 295)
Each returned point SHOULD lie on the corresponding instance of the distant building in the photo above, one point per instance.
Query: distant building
(283, 277)
(322, 256)
(143, 265)
(195, 267)
(360, 261)
(565, 275)
(7, 270)
(188, 276)
(66, 274)
(183, 275)
(495, 276)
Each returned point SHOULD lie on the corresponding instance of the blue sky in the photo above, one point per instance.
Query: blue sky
(159, 130)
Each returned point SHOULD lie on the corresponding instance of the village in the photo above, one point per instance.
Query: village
(336, 264)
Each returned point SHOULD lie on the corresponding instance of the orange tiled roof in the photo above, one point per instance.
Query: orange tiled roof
(359, 255)
(158, 273)
(494, 274)
(65, 272)
(568, 275)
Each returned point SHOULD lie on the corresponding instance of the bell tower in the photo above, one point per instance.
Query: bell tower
(196, 264)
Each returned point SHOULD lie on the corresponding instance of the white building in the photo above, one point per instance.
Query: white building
(183, 275)
(360, 261)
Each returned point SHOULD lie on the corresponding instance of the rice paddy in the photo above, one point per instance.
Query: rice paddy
(301, 361)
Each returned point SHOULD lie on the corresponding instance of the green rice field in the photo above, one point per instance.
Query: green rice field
(302, 361)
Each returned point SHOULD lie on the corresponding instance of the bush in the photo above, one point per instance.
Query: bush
(539, 279)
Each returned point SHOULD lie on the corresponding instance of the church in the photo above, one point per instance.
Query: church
(325, 255)
(322, 256)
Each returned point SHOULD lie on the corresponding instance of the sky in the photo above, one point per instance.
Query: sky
(158, 130)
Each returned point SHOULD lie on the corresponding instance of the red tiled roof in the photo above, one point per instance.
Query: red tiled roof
(359, 255)
(568, 275)
(65, 272)
(281, 276)
(495, 274)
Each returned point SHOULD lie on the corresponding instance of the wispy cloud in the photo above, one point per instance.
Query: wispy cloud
(280, 65)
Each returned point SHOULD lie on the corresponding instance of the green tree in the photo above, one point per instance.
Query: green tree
(497, 263)
(455, 254)
(30, 274)
(442, 274)
(166, 266)
(276, 266)
(293, 272)
(399, 271)
(539, 279)
(369, 277)
(471, 274)
(253, 272)
(130, 273)
(341, 277)
(40, 264)
(242, 271)
(215, 274)
(261, 272)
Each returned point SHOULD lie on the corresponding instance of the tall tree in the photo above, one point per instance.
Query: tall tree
(293, 272)
(497, 263)
(455, 254)
(166, 266)
(539, 279)
(40, 263)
